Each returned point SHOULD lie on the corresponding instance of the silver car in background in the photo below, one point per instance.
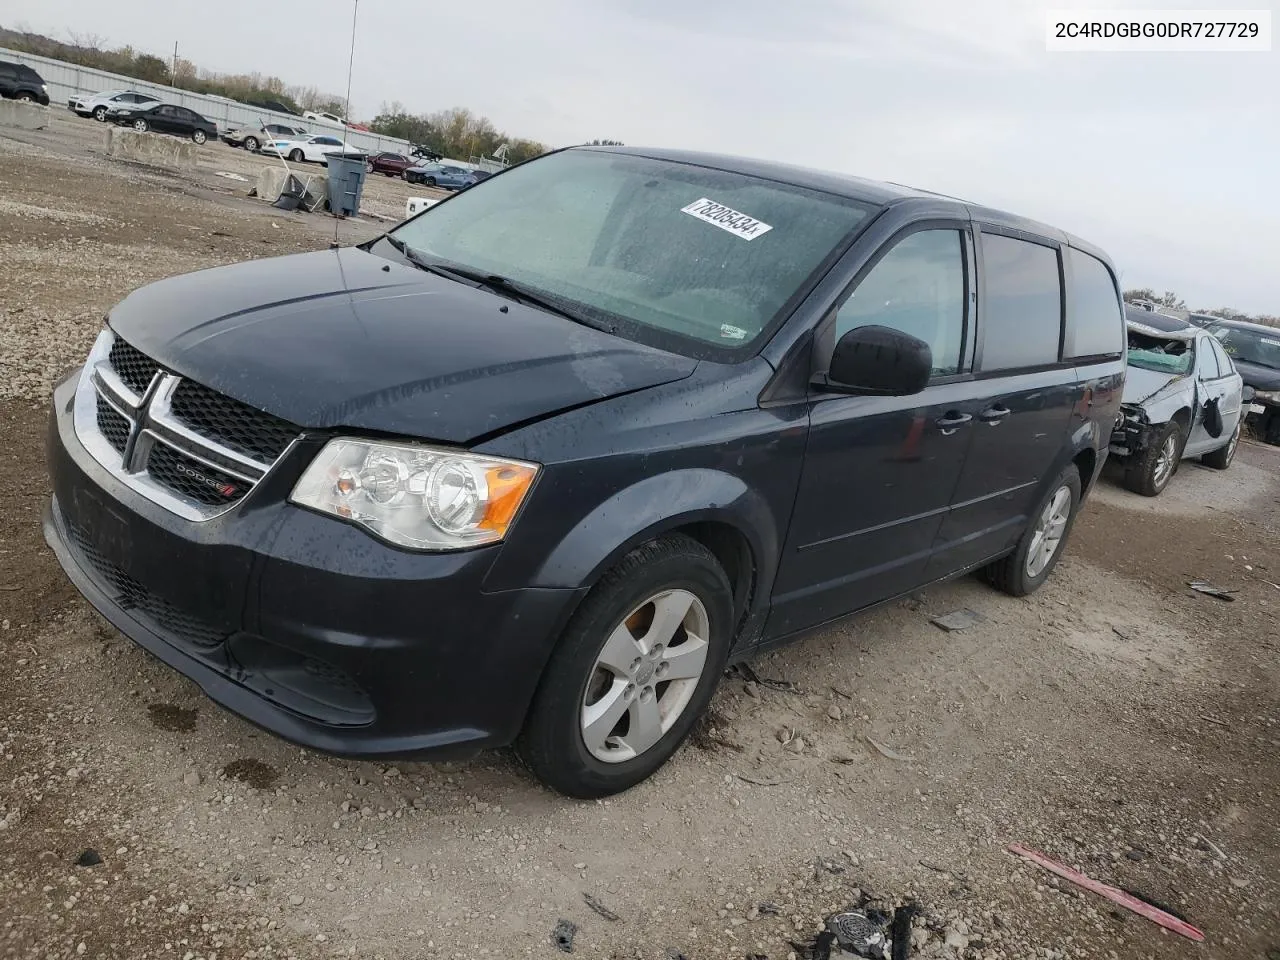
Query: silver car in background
(100, 104)
(1183, 397)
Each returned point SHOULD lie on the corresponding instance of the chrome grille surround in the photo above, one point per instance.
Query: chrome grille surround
(152, 425)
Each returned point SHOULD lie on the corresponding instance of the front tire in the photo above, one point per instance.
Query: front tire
(1026, 569)
(100, 114)
(1221, 458)
(1151, 472)
(296, 156)
(25, 97)
(430, 181)
(140, 126)
(632, 672)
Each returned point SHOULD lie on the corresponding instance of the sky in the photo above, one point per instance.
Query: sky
(1169, 161)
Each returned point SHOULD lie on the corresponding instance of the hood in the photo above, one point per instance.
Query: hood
(1257, 376)
(344, 338)
(1141, 385)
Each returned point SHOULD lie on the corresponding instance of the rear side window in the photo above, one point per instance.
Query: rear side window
(1022, 308)
(918, 287)
(1095, 326)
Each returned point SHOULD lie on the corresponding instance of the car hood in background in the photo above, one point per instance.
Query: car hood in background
(344, 338)
(1257, 376)
(1141, 385)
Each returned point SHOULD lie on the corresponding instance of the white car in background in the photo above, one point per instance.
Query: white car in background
(310, 149)
(100, 104)
(331, 117)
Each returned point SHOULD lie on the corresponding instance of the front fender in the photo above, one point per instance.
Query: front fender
(653, 505)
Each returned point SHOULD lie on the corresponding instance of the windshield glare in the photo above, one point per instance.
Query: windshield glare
(1251, 346)
(681, 255)
(1156, 353)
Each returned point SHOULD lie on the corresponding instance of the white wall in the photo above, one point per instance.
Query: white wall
(67, 80)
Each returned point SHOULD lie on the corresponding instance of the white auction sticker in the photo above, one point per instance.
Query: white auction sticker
(726, 218)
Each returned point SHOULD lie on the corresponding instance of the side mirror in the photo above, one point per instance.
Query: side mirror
(878, 360)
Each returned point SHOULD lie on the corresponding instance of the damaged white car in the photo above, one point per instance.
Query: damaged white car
(1182, 398)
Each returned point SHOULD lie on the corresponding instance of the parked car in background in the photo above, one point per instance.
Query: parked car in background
(310, 149)
(1182, 398)
(1202, 319)
(441, 175)
(392, 164)
(100, 104)
(20, 82)
(313, 115)
(166, 118)
(536, 464)
(1255, 350)
(275, 106)
(252, 138)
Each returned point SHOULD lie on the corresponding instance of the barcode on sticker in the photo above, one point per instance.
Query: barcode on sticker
(726, 218)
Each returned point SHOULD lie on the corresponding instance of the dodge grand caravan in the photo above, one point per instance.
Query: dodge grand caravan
(536, 464)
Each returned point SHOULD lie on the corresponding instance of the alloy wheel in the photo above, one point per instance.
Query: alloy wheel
(1049, 531)
(140, 126)
(645, 676)
(1166, 461)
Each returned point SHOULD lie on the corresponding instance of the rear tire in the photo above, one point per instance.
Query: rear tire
(199, 137)
(619, 618)
(251, 144)
(1026, 569)
(1150, 472)
(1221, 458)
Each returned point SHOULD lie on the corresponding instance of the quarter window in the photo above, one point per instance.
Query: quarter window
(918, 287)
(1095, 326)
(1022, 310)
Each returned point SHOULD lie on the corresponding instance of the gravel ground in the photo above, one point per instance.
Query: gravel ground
(1115, 720)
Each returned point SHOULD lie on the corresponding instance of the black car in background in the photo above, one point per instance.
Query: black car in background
(536, 464)
(167, 118)
(1255, 349)
(20, 82)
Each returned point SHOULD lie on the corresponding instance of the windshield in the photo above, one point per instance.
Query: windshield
(1159, 354)
(1251, 346)
(696, 260)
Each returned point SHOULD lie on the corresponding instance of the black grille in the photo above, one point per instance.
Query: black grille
(330, 675)
(193, 479)
(232, 423)
(132, 366)
(112, 425)
(134, 597)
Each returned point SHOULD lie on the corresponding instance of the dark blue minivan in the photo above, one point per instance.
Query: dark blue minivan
(536, 464)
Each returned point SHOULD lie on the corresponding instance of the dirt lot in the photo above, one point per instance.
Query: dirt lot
(1116, 720)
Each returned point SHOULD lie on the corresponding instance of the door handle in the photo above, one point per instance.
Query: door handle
(994, 415)
(952, 421)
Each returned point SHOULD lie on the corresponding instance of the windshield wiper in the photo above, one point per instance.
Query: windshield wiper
(503, 286)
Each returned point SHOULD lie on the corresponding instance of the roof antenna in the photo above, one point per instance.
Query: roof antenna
(346, 111)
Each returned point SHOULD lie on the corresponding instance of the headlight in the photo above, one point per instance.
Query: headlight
(420, 497)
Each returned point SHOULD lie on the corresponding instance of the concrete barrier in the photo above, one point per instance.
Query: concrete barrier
(24, 116)
(152, 149)
(272, 180)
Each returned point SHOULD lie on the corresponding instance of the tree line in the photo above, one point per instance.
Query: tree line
(1171, 301)
(456, 133)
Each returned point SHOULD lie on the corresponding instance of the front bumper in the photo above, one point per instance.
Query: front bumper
(304, 625)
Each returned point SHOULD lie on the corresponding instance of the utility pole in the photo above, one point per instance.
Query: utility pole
(173, 70)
